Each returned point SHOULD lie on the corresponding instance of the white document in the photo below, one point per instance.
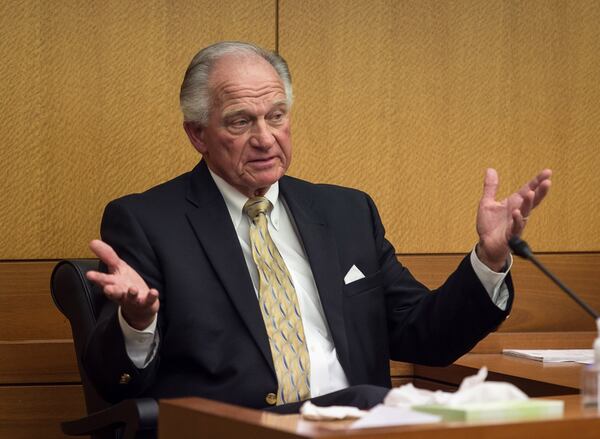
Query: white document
(384, 416)
(584, 356)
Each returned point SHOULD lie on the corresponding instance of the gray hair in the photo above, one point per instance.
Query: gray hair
(194, 97)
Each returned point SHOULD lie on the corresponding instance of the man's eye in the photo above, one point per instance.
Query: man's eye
(277, 116)
(238, 123)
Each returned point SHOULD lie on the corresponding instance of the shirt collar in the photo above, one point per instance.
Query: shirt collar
(235, 200)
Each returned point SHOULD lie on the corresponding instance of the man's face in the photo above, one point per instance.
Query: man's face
(247, 139)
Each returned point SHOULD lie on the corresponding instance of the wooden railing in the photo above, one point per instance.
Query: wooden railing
(39, 381)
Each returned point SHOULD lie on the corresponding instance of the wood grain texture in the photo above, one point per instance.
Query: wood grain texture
(185, 417)
(533, 377)
(33, 348)
(488, 352)
(535, 382)
(28, 313)
(36, 411)
(399, 369)
(90, 107)
(412, 100)
(496, 341)
(539, 305)
(567, 375)
(408, 100)
(31, 327)
(38, 362)
(26, 308)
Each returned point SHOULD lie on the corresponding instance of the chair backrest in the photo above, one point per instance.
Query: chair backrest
(80, 301)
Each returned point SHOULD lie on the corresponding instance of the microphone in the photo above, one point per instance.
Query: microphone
(521, 248)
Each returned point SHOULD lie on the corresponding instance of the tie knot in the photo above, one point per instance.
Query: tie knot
(255, 206)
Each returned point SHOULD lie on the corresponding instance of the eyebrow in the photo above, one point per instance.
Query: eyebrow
(230, 114)
(280, 102)
(234, 113)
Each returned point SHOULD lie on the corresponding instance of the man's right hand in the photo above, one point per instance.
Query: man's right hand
(123, 285)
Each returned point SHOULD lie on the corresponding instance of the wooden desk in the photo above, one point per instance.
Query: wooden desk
(533, 377)
(195, 417)
(200, 418)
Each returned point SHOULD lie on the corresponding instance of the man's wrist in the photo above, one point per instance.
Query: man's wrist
(142, 324)
(494, 264)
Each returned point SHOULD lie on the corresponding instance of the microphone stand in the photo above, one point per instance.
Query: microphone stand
(521, 248)
(590, 378)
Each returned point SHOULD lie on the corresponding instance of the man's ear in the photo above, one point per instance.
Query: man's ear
(195, 133)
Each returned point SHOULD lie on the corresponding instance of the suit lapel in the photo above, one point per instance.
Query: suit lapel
(321, 250)
(212, 225)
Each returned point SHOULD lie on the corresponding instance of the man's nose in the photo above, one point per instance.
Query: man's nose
(261, 136)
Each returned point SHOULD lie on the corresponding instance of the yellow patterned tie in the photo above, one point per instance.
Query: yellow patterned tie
(279, 307)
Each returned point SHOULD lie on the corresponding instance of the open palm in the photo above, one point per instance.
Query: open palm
(123, 285)
(497, 221)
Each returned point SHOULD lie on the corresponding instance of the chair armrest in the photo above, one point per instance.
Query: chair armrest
(135, 415)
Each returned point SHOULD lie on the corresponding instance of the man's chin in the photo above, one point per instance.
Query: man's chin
(263, 181)
(266, 182)
(267, 176)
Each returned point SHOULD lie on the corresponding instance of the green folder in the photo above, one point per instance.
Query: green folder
(493, 411)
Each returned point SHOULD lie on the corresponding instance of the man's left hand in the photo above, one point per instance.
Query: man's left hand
(498, 221)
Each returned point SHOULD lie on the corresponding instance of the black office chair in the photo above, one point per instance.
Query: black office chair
(80, 301)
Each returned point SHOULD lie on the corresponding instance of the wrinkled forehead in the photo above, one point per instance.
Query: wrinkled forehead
(239, 75)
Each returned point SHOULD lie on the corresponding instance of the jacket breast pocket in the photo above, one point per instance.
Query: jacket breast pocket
(363, 285)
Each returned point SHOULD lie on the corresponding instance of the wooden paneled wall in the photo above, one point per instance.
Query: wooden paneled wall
(409, 100)
(89, 112)
(413, 99)
(90, 103)
(39, 381)
(539, 305)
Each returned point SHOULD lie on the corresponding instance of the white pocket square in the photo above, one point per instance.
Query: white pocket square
(353, 275)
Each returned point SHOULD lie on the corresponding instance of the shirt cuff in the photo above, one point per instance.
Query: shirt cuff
(492, 281)
(141, 346)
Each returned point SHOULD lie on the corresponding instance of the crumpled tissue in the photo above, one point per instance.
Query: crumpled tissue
(335, 412)
(473, 390)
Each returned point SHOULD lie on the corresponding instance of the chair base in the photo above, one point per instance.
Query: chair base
(137, 417)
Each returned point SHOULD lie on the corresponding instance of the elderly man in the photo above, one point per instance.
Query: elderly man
(238, 283)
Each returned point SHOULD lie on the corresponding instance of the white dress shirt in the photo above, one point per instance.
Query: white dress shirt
(326, 374)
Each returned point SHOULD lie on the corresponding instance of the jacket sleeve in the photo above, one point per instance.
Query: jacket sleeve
(434, 327)
(105, 359)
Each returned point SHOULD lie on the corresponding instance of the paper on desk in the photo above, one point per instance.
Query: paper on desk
(583, 356)
(385, 416)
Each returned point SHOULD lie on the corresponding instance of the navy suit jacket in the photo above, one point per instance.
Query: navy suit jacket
(213, 342)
